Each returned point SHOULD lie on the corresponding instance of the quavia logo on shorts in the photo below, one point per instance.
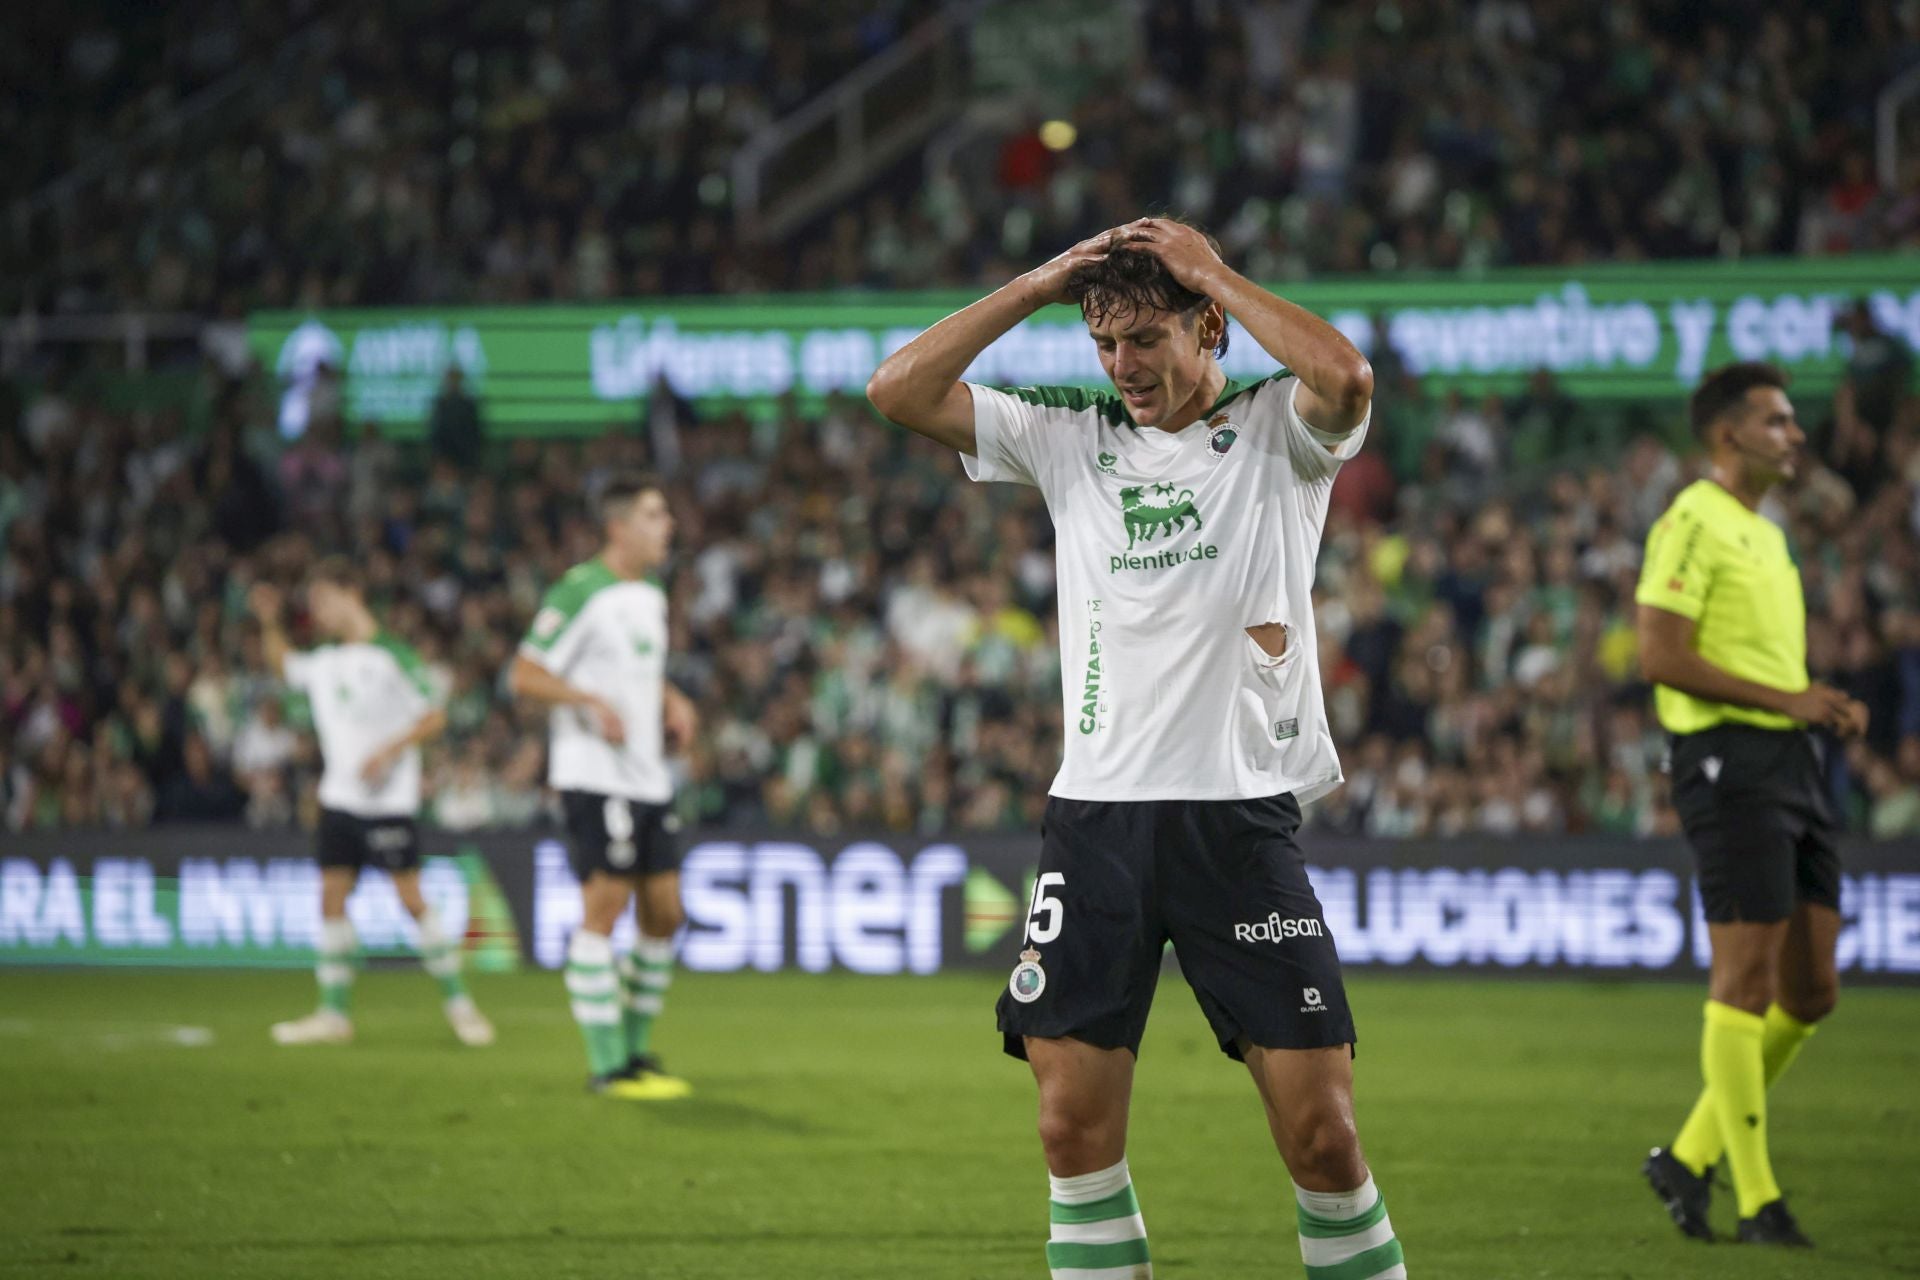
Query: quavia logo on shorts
(1314, 1004)
(1276, 928)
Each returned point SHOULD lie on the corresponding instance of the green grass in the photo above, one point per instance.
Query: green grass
(851, 1127)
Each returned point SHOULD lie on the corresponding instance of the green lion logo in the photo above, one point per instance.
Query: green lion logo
(1143, 521)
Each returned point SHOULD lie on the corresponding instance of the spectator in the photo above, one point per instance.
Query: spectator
(454, 433)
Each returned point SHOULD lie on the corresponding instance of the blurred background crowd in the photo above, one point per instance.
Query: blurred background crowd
(872, 640)
(583, 150)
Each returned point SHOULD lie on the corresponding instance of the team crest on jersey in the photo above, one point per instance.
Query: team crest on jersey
(1166, 511)
(1221, 433)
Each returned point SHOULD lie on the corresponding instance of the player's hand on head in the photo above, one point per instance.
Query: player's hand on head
(1185, 251)
(1049, 279)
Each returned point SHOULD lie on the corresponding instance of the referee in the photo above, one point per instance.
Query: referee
(1723, 638)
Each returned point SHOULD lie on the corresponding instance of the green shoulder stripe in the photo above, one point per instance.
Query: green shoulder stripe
(1233, 389)
(407, 658)
(1104, 403)
(565, 599)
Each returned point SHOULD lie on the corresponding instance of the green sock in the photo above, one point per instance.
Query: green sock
(1699, 1146)
(1097, 1231)
(335, 968)
(645, 976)
(440, 956)
(1347, 1235)
(596, 1007)
(1731, 1060)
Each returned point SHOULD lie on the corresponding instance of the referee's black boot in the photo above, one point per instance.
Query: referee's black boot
(1685, 1194)
(1772, 1224)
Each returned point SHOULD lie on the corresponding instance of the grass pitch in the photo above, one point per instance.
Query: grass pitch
(858, 1127)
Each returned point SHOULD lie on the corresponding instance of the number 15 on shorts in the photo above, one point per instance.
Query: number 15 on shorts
(1047, 913)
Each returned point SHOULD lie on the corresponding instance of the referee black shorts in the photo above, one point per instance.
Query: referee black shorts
(1222, 879)
(1754, 806)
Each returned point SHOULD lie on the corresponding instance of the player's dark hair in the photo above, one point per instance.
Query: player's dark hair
(335, 571)
(1725, 390)
(1130, 282)
(622, 488)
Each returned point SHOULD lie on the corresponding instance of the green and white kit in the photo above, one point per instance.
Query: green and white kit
(1169, 545)
(364, 696)
(607, 636)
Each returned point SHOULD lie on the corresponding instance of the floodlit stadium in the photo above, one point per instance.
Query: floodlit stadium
(961, 638)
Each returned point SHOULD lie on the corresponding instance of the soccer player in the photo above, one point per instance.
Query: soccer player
(373, 711)
(1188, 511)
(596, 655)
(1723, 638)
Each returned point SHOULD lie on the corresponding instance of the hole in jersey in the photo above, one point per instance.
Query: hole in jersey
(1271, 637)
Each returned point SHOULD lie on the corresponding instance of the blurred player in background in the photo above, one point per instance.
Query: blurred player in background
(597, 656)
(373, 711)
(1188, 512)
(1723, 637)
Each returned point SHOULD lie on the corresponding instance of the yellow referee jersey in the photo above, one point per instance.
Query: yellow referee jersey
(1727, 568)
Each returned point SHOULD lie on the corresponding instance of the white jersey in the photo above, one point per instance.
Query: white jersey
(606, 636)
(364, 696)
(1169, 545)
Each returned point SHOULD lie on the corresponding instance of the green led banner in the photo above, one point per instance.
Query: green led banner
(1641, 331)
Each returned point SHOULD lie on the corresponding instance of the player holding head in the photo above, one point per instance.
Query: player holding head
(373, 710)
(1723, 637)
(597, 656)
(1188, 512)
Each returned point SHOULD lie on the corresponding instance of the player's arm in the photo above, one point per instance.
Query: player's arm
(1336, 382)
(528, 681)
(1667, 657)
(679, 717)
(264, 601)
(919, 385)
(425, 730)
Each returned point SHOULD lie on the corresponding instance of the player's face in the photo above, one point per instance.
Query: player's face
(327, 605)
(1767, 436)
(644, 531)
(1156, 360)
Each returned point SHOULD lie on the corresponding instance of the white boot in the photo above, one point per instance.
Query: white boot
(469, 1023)
(323, 1026)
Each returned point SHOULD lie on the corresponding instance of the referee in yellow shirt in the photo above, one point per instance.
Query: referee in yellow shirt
(1723, 638)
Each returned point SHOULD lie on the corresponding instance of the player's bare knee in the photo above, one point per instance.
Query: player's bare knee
(1079, 1141)
(1324, 1151)
(1810, 1002)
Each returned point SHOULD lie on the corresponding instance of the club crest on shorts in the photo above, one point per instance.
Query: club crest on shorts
(1028, 979)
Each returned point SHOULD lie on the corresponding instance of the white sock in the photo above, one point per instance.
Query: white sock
(1348, 1234)
(1097, 1231)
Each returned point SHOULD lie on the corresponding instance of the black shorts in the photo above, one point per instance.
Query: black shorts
(1754, 805)
(1223, 879)
(618, 836)
(349, 840)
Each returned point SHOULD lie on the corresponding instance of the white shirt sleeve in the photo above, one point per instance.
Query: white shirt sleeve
(1013, 438)
(301, 670)
(559, 653)
(1315, 454)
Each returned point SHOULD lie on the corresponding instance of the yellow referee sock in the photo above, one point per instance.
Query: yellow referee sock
(1736, 1073)
(1699, 1146)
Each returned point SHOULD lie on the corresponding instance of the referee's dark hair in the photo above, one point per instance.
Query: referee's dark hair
(622, 488)
(1725, 389)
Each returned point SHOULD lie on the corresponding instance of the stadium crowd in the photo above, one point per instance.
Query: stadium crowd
(582, 150)
(871, 638)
